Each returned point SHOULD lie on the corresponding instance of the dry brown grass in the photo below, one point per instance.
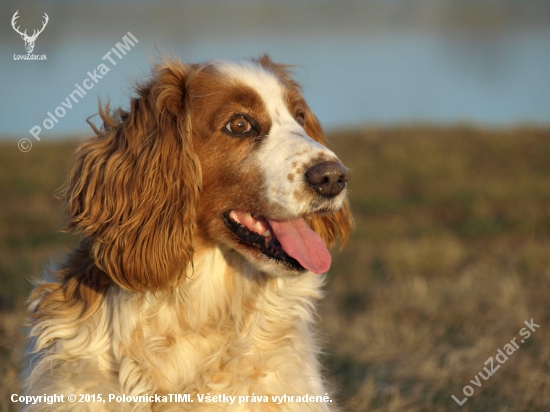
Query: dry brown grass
(450, 256)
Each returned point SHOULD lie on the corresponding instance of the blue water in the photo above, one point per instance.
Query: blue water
(349, 79)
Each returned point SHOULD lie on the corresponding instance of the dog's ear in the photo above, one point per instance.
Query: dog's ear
(340, 224)
(133, 189)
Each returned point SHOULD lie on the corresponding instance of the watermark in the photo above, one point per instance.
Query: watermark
(30, 57)
(501, 357)
(220, 399)
(79, 92)
(29, 40)
(24, 145)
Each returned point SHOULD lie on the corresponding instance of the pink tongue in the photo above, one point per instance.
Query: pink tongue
(303, 244)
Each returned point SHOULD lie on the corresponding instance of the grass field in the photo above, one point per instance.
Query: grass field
(450, 256)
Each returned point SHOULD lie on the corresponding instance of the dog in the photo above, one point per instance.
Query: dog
(205, 213)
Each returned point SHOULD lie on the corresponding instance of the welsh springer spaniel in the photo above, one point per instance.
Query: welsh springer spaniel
(205, 212)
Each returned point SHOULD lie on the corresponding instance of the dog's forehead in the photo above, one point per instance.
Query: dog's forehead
(252, 74)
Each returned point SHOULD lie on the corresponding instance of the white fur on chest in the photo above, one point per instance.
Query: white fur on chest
(225, 330)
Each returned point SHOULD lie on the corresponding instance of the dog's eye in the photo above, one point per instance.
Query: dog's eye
(300, 118)
(239, 125)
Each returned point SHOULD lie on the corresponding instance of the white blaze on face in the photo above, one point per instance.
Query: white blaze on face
(287, 149)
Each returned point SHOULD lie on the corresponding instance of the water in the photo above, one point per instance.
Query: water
(352, 77)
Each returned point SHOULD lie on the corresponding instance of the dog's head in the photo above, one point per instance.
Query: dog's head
(222, 153)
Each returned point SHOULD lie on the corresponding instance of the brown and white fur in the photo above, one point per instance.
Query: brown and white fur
(164, 295)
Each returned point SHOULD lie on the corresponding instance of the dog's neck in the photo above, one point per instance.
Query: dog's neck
(222, 288)
(224, 310)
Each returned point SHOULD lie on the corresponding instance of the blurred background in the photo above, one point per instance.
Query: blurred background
(440, 109)
(362, 62)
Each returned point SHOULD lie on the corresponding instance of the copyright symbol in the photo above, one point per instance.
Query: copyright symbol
(24, 145)
(71, 398)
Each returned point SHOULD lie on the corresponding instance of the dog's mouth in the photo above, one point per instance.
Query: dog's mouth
(289, 242)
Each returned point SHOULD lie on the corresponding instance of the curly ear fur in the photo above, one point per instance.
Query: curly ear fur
(133, 189)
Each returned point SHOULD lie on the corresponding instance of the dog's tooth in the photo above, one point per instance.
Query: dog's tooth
(267, 233)
(233, 215)
(248, 220)
(259, 228)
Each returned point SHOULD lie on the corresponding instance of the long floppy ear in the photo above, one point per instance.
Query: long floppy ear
(133, 189)
(339, 225)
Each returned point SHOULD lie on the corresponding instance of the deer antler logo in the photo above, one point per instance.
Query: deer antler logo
(29, 40)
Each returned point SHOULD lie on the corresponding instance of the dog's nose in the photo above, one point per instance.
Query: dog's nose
(327, 178)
